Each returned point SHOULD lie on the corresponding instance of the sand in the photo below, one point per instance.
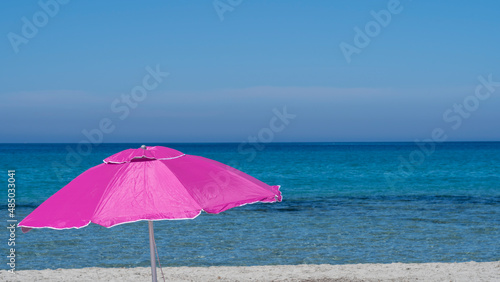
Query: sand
(467, 271)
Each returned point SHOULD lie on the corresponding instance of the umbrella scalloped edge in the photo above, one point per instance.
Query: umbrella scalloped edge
(277, 198)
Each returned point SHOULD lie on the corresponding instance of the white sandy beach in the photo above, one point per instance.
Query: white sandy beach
(468, 271)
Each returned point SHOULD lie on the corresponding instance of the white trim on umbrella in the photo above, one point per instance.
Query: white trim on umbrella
(143, 157)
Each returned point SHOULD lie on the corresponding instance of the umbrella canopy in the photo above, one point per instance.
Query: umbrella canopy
(150, 183)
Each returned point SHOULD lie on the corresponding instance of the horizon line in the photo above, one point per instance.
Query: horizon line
(270, 143)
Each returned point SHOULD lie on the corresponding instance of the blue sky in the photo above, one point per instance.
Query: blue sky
(230, 71)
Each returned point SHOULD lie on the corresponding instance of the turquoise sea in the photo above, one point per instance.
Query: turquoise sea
(343, 203)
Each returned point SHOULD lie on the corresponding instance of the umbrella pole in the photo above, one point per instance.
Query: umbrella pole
(152, 250)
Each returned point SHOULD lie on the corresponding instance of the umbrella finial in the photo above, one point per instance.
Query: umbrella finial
(143, 147)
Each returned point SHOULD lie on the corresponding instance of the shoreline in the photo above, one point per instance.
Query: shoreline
(463, 271)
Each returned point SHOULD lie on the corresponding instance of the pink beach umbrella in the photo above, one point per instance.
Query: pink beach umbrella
(150, 183)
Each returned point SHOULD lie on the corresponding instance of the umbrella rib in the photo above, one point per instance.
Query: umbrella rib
(188, 192)
(232, 170)
(107, 190)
